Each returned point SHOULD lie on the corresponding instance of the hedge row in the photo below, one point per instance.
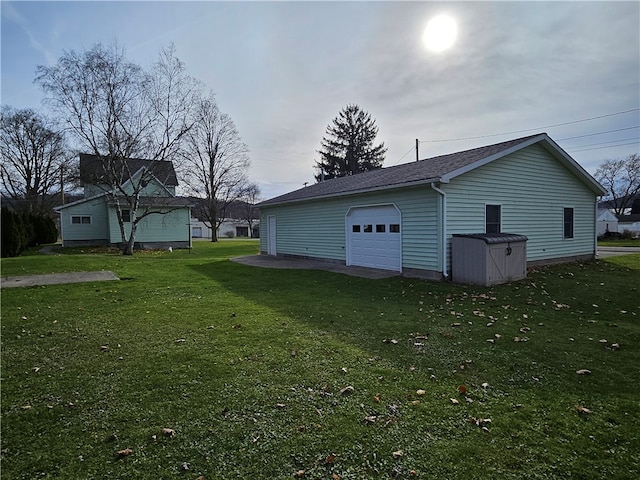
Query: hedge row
(22, 231)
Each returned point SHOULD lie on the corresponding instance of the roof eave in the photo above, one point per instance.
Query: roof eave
(353, 192)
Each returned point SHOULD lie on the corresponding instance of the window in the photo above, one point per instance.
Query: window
(126, 216)
(394, 228)
(355, 228)
(568, 223)
(381, 228)
(80, 220)
(368, 228)
(492, 218)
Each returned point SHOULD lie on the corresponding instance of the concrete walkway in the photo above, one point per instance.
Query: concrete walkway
(604, 252)
(269, 261)
(57, 278)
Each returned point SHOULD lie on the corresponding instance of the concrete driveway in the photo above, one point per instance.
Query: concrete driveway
(270, 261)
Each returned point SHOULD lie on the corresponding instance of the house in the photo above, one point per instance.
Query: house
(629, 223)
(607, 222)
(93, 219)
(229, 228)
(402, 218)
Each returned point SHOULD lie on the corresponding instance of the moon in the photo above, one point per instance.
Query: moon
(440, 33)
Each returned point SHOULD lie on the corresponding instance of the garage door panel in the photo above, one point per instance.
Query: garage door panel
(375, 243)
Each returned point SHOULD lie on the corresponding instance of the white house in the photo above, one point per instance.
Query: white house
(229, 228)
(606, 221)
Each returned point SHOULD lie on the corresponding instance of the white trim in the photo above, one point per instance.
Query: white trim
(442, 220)
(81, 216)
(486, 204)
(347, 231)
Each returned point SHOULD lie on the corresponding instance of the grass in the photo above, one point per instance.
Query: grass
(247, 365)
(623, 242)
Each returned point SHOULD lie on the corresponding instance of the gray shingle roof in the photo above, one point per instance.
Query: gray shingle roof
(92, 169)
(423, 171)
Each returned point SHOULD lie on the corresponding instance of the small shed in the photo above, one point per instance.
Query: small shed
(488, 258)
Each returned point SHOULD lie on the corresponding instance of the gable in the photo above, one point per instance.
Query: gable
(441, 169)
(92, 170)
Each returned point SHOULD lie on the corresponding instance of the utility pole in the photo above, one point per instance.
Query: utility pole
(62, 185)
(417, 147)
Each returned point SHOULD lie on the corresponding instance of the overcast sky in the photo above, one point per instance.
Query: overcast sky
(283, 71)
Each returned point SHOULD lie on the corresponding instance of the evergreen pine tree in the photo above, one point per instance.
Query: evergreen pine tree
(348, 145)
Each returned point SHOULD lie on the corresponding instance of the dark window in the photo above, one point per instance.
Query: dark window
(492, 218)
(381, 228)
(394, 228)
(126, 216)
(355, 228)
(568, 223)
(81, 220)
(368, 228)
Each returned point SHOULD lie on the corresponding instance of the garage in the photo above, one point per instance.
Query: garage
(374, 237)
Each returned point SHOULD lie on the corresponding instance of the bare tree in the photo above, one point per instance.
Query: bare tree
(250, 197)
(621, 178)
(215, 163)
(33, 154)
(115, 110)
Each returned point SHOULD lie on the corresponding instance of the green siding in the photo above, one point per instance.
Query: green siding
(172, 226)
(531, 186)
(317, 228)
(533, 189)
(97, 230)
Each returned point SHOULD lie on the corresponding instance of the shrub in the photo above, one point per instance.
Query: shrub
(14, 237)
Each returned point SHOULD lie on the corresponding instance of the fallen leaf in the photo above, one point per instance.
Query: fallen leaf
(343, 369)
(485, 385)
(397, 454)
(582, 410)
(35, 369)
(420, 392)
(370, 419)
(454, 401)
(462, 389)
(335, 476)
(614, 346)
(347, 390)
(280, 405)
(124, 453)
(330, 459)
(104, 348)
(169, 432)
(583, 371)
(299, 474)
(26, 407)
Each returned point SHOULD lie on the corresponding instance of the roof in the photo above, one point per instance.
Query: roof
(491, 238)
(92, 169)
(440, 169)
(635, 217)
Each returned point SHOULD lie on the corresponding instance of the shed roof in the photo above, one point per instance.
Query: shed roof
(92, 169)
(441, 169)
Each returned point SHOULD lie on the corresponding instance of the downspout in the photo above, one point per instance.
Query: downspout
(443, 229)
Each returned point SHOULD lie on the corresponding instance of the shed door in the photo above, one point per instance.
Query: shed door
(374, 237)
(271, 235)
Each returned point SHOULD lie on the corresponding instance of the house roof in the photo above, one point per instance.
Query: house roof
(440, 169)
(92, 169)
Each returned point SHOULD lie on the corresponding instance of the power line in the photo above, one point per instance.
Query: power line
(532, 129)
(605, 143)
(607, 146)
(599, 133)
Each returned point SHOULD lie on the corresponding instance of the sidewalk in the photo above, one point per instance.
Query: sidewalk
(57, 278)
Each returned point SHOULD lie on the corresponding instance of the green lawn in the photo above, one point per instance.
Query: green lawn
(625, 242)
(247, 367)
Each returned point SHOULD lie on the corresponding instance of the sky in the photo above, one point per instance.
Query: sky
(284, 70)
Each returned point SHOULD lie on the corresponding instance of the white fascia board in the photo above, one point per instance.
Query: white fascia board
(142, 171)
(356, 192)
(78, 202)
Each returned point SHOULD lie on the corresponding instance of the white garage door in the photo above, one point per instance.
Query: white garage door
(373, 237)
